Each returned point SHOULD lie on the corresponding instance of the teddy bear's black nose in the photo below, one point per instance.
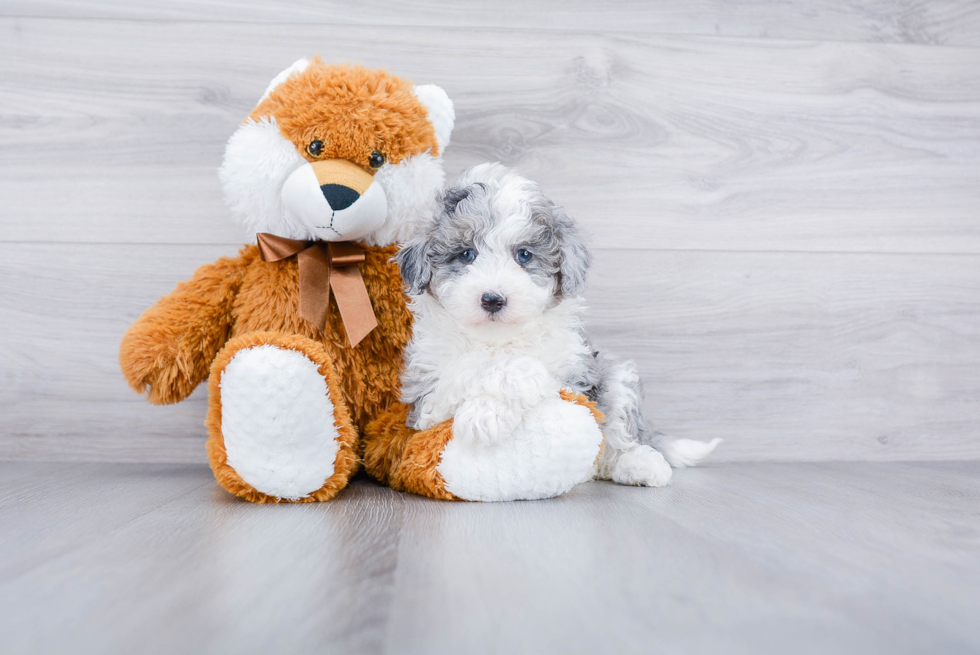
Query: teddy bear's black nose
(339, 196)
(492, 303)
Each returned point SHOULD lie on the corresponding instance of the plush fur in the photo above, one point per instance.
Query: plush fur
(419, 461)
(278, 424)
(165, 352)
(407, 459)
(552, 449)
(489, 365)
(237, 319)
(352, 112)
(336, 470)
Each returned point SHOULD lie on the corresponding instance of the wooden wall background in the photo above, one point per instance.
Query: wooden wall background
(784, 198)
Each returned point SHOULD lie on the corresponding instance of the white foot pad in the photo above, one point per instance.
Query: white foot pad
(551, 451)
(277, 421)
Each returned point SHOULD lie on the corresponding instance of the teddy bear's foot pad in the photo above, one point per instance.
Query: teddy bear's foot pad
(277, 421)
(553, 449)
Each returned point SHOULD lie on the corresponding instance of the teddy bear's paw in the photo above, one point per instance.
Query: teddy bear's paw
(278, 422)
(485, 420)
(551, 450)
(642, 466)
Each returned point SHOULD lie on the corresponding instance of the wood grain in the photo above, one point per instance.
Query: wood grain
(784, 204)
(822, 356)
(72, 498)
(946, 22)
(773, 558)
(788, 356)
(792, 566)
(199, 575)
(113, 130)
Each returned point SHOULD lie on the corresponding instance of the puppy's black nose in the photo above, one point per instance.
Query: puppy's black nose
(492, 302)
(339, 196)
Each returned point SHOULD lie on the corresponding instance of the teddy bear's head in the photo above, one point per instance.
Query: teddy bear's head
(338, 153)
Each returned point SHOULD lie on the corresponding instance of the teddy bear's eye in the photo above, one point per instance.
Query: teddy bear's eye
(315, 148)
(376, 160)
(523, 255)
(467, 255)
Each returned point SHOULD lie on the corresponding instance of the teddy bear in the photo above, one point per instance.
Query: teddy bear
(301, 335)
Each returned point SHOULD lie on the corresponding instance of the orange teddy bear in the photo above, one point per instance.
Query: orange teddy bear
(331, 170)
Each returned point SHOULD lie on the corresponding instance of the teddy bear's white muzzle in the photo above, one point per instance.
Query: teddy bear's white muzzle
(336, 200)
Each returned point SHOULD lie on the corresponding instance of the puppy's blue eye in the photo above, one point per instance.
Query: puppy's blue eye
(523, 255)
(467, 255)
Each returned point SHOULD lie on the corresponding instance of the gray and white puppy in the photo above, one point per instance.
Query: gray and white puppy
(496, 281)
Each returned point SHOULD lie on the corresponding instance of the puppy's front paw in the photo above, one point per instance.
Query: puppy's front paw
(485, 420)
(643, 466)
(526, 381)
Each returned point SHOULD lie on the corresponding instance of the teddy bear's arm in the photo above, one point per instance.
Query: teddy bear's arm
(168, 351)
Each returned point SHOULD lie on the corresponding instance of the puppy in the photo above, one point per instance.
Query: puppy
(495, 282)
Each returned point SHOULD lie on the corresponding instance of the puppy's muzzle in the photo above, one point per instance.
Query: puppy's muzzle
(492, 303)
(335, 199)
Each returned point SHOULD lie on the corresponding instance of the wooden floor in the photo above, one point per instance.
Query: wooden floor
(740, 558)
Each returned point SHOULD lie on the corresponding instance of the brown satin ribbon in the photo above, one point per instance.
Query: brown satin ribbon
(323, 266)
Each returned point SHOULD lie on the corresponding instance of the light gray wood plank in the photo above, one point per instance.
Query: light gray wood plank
(80, 505)
(23, 475)
(113, 130)
(752, 559)
(199, 572)
(791, 356)
(748, 558)
(949, 22)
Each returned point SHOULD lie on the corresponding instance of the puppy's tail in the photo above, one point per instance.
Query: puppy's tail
(681, 453)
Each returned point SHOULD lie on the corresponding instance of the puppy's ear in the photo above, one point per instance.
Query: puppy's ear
(452, 197)
(413, 262)
(575, 258)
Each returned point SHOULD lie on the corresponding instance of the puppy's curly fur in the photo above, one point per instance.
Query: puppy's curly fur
(496, 281)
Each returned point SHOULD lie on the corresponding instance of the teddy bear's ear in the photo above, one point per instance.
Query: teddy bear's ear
(298, 67)
(441, 112)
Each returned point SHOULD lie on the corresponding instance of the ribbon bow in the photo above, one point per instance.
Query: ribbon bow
(322, 266)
